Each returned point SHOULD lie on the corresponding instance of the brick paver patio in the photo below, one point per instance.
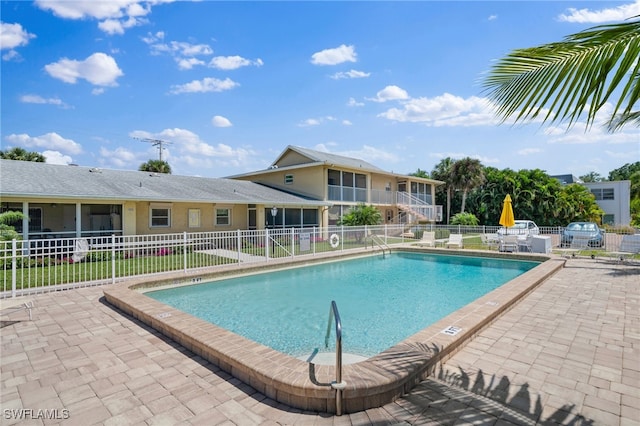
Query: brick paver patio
(569, 353)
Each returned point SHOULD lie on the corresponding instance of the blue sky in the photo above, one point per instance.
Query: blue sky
(228, 85)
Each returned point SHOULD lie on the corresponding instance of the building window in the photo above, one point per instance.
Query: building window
(609, 219)
(603, 193)
(194, 218)
(310, 217)
(223, 217)
(160, 218)
(288, 179)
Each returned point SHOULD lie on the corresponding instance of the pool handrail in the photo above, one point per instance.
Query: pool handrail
(375, 239)
(338, 384)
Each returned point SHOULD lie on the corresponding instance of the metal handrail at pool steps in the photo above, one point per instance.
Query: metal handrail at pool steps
(371, 383)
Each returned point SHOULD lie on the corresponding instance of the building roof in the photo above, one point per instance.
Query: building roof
(317, 158)
(40, 180)
(328, 158)
(567, 179)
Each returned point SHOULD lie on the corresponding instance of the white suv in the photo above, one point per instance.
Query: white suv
(522, 228)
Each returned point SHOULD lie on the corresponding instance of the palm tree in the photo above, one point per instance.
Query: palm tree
(442, 171)
(568, 77)
(21, 154)
(156, 166)
(467, 174)
(361, 215)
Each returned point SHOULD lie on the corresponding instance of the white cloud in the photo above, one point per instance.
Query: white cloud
(334, 56)
(587, 16)
(56, 157)
(444, 110)
(114, 15)
(310, 122)
(37, 99)
(99, 69)
(390, 93)
(13, 35)
(220, 121)
(492, 17)
(11, 55)
(121, 157)
(233, 62)
(114, 26)
(190, 152)
(316, 121)
(597, 133)
(347, 123)
(185, 54)
(180, 48)
(208, 84)
(350, 74)
(188, 63)
(353, 103)
(529, 151)
(51, 141)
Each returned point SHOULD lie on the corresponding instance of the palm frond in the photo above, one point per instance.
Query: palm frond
(570, 77)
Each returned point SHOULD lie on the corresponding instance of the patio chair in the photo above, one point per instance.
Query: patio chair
(525, 244)
(509, 243)
(455, 240)
(490, 240)
(8, 306)
(428, 239)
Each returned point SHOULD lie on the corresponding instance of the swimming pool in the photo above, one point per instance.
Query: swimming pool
(382, 300)
(371, 383)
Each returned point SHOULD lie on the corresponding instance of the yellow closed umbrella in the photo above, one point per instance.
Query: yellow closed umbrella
(506, 218)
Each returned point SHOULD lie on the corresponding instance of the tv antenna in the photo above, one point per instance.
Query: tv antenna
(155, 142)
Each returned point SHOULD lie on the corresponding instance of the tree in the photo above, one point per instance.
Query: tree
(624, 172)
(585, 208)
(467, 174)
(580, 73)
(156, 166)
(442, 171)
(21, 154)
(420, 173)
(361, 215)
(8, 232)
(592, 177)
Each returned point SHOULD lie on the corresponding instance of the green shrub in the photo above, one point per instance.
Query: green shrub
(467, 219)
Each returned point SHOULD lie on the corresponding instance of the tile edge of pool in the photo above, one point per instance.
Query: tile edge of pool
(371, 383)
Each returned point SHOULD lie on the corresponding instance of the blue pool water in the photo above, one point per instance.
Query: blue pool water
(382, 300)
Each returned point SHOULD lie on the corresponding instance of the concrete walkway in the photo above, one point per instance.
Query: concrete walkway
(567, 354)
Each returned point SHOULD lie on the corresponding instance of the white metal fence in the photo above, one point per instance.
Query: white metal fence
(53, 264)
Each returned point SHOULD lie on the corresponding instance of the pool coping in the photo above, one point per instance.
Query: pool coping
(372, 383)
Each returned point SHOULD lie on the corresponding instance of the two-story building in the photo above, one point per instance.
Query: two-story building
(345, 182)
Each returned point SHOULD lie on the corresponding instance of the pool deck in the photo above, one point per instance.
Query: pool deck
(568, 353)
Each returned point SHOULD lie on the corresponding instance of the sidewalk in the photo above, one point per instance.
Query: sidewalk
(567, 354)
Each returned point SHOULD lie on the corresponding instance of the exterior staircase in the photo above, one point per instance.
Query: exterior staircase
(418, 209)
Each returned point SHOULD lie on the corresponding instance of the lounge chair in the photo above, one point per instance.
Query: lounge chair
(578, 243)
(428, 239)
(455, 240)
(509, 243)
(629, 246)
